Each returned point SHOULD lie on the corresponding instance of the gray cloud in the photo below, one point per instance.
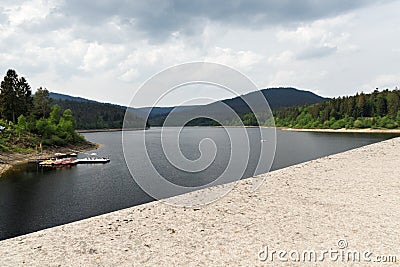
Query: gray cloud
(53, 21)
(157, 19)
(3, 16)
(316, 52)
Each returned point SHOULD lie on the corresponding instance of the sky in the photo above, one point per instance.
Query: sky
(105, 50)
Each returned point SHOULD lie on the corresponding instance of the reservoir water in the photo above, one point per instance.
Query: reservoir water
(33, 198)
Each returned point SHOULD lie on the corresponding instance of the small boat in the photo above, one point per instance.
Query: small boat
(48, 162)
(68, 162)
(58, 162)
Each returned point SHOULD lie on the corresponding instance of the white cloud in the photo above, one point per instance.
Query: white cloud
(384, 81)
(29, 11)
(282, 58)
(238, 59)
(320, 32)
(100, 57)
(320, 38)
(130, 75)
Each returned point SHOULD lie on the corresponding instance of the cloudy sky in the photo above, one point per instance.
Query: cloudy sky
(105, 49)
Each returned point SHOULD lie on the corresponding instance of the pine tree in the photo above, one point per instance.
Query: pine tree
(42, 103)
(393, 104)
(15, 96)
(8, 96)
(24, 95)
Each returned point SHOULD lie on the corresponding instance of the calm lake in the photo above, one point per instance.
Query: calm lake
(33, 198)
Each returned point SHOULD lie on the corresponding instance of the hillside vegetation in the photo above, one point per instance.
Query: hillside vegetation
(28, 122)
(90, 114)
(375, 110)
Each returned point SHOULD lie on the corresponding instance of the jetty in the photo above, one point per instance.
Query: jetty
(71, 159)
(344, 202)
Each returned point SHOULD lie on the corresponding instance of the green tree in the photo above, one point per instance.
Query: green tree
(55, 114)
(24, 95)
(393, 104)
(45, 128)
(8, 96)
(42, 103)
(15, 96)
(249, 119)
(361, 105)
(398, 117)
(21, 126)
(66, 126)
(380, 105)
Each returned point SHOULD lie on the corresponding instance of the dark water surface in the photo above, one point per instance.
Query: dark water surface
(33, 198)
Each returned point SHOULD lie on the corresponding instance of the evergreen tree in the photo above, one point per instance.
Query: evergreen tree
(41, 103)
(8, 97)
(376, 110)
(15, 96)
(55, 114)
(393, 104)
(24, 94)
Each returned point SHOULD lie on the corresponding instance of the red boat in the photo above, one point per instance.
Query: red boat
(70, 161)
(58, 162)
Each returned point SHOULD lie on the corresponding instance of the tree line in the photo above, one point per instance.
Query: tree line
(32, 119)
(374, 110)
(93, 115)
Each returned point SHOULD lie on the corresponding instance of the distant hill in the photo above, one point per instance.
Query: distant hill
(159, 111)
(57, 96)
(277, 98)
(289, 97)
(91, 114)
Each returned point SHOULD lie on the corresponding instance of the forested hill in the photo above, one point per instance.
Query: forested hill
(95, 115)
(57, 96)
(375, 110)
(276, 97)
(90, 114)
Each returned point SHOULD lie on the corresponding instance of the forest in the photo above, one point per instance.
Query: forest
(28, 121)
(377, 110)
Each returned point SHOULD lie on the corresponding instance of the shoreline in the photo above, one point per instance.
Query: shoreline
(343, 130)
(108, 130)
(10, 160)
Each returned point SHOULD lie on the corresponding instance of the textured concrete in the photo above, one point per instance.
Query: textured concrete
(353, 196)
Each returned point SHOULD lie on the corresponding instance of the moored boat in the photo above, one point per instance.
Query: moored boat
(48, 162)
(70, 161)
